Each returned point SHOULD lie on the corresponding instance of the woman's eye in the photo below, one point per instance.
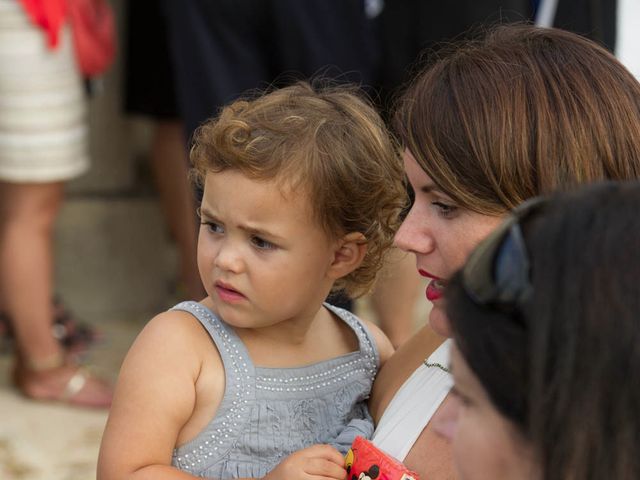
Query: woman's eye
(262, 244)
(445, 210)
(213, 227)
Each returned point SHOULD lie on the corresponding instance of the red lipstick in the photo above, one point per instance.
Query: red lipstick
(435, 289)
(424, 273)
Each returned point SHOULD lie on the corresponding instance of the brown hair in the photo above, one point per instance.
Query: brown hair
(327, 142)
(560, 363)
(519, 112)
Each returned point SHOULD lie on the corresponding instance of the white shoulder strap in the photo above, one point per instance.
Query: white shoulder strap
(413, 405)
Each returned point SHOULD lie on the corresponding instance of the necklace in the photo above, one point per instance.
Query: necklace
(436, 365)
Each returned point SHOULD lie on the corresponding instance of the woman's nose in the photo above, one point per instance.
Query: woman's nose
(414, 235)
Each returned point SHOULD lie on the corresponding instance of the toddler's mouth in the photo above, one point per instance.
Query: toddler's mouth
(227, 293)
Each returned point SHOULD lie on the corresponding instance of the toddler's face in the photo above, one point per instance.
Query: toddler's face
(262, 255)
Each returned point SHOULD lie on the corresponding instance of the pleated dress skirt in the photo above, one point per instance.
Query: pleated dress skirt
(43, 108)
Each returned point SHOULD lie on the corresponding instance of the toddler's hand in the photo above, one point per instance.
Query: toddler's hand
(318, 462)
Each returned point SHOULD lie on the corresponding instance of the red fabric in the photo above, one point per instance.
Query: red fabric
(48, 15)
(93, 29)
(365, 461)
(94, 35)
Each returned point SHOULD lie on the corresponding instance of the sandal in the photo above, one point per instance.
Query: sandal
(74, 336)
(57, 380)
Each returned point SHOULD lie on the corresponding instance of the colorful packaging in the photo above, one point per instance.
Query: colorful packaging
(365, 461)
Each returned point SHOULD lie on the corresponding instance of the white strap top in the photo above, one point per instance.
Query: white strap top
(413, 405)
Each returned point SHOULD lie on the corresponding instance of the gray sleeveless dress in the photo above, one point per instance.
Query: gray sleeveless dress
(268, 413)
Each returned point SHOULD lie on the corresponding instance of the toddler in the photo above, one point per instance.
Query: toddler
(262, 379)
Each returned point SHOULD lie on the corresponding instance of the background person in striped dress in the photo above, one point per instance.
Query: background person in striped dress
(43, 143)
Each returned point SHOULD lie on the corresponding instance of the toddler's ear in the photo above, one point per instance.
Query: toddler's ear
(349, 254)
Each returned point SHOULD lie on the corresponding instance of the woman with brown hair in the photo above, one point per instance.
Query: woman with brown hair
(520, 112)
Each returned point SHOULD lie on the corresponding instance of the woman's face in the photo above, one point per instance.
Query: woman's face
(440, 234)
(484, 443)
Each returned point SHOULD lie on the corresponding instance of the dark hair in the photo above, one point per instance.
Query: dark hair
(519, 112)
(325, 140)
(563, 367)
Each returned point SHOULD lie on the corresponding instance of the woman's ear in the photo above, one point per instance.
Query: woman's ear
(348, 256)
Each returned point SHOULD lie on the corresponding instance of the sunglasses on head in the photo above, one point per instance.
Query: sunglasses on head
(497, 273)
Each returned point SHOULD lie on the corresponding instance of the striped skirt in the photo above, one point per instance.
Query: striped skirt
(43, 110)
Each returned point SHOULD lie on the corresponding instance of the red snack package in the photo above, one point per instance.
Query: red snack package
(365, 461)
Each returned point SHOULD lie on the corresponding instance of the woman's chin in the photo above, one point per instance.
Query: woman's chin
(438, 321)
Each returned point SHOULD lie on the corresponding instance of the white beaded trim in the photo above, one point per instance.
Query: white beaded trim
(326, 383)
(218, 437)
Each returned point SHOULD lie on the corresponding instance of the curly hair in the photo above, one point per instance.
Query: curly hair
(327, 142)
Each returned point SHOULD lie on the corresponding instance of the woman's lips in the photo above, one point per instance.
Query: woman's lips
(424, 273)
(435, 289)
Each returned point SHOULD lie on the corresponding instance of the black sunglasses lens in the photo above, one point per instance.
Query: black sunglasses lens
(497, 272)
(511, 269)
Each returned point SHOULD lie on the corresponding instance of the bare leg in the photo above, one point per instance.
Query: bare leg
(394, 297)
(170, 168)
(27, 216)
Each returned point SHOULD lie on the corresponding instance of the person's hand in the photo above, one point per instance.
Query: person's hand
(318, 462)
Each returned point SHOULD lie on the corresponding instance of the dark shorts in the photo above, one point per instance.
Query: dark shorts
(223, 48)
(408, 32)
(149, 78)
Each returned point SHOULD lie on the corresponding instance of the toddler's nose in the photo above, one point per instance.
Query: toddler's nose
(229, 258)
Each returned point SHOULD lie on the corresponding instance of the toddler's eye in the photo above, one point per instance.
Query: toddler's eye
(213, 227)
(261, 243)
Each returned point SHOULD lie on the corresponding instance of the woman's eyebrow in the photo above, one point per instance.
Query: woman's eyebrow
(431, 188)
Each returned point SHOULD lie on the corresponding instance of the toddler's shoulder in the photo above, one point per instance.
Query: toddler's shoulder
(174, 333)
(176, 325)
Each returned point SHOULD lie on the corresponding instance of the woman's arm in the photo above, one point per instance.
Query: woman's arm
(400, 367)
(430, 455)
